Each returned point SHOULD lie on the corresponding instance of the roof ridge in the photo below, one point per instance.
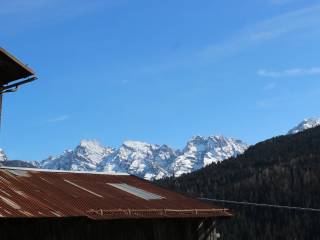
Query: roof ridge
(61, 171)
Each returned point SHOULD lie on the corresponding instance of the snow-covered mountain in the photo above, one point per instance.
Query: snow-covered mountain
(305, 124)
(4, 161)
(3, 156)
(201, 151)
(142, 159)
(85, 157)
(149, 161)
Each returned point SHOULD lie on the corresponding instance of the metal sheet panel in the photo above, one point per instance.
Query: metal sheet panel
(136, 191)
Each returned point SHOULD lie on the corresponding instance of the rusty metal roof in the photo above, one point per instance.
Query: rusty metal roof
(11, 69)
(32, 193)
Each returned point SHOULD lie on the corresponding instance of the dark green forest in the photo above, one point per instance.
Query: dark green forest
(284, 170)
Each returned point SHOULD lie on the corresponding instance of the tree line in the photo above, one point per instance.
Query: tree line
(284, 170)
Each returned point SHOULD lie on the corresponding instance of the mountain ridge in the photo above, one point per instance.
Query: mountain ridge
(149, 161)
(307, 123)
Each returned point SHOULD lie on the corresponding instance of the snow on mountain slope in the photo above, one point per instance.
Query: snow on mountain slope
(149, 161)
(305, 124)
(145, 160)
(84, 157)
(201, 151)
(3, 156)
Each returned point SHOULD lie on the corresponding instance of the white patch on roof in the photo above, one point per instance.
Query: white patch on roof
(18, 172)
(4, 192)
(136, 191)
(87, 190)
(7, 212)
(56, 214)
(4, 180)
(28, 214)
(10, 203)
(21, 193)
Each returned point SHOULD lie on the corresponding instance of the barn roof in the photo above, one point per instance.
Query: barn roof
(32, 193)
(12, 69)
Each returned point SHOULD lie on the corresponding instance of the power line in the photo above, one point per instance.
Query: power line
(261, 205)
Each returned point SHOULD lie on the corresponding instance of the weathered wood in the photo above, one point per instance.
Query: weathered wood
(85, 229)
(0, 109)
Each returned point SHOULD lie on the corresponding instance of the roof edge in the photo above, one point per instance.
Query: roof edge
(17, 61)
(62, 171)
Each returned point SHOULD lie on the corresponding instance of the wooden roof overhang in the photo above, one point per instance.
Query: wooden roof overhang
(12, 70)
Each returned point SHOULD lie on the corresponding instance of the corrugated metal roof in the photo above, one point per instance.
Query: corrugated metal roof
(33, 193)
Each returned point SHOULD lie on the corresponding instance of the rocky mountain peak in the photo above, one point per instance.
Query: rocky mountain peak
(307, 123)
(3, 156)
(149, 161)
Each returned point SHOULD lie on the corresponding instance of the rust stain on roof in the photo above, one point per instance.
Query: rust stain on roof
(33, 193)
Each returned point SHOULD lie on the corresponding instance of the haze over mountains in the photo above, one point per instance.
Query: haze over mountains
(149, 161)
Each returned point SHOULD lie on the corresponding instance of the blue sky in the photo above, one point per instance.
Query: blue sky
(158, 71)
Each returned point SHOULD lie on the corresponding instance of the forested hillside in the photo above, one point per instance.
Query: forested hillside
(284, 170)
